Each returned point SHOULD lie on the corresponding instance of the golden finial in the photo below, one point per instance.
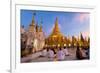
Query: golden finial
(33, 21)
(56, 22)
(56, 27)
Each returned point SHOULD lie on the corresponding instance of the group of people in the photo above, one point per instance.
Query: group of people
(82, 53)
(59, 54)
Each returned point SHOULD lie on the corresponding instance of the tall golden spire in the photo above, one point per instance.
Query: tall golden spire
(56, 37)
(56, 27)
(56, 30)
(33, 21)
(40, 29)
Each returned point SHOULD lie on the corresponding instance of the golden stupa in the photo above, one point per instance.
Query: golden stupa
(56, 38)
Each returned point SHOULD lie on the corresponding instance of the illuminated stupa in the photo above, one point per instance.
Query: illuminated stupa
(56, 38)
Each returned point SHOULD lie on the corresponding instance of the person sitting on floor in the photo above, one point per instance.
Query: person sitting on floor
(79, 53)
(65, 50)
(44, 52)
(50, 53)
(60, 54)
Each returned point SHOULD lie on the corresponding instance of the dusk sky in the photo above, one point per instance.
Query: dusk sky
(70, 23)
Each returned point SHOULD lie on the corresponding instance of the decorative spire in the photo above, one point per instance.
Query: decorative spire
(56, 31)
(56, 27)
(33, 21)
(37, 27)
(40, 30)
(56, 22)
(41, 22)
(32, 25)
(56, 37)
(81, 37)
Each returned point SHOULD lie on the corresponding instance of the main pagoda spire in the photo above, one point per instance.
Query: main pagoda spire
(56, 27)
(56, 30)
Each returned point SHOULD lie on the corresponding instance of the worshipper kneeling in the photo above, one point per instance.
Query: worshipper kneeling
(60, 55)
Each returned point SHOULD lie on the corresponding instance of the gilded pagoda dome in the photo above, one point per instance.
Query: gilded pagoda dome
(56, 38)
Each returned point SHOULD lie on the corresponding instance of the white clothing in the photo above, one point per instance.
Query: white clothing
(44, 52)
(65, 51)
(60, 55)
(50, 54)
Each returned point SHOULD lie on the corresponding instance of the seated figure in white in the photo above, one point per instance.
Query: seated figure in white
(50, 53)
(65, 50)
(44, 52)
(60, 55)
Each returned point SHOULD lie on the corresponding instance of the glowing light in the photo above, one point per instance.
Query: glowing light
(69, 45)
(64, 44)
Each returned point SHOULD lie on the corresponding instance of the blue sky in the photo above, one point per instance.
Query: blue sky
(70, 23)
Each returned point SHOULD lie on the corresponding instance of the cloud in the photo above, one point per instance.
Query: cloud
(82, 17)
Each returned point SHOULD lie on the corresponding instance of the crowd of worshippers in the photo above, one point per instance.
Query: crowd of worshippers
(62, 53)
(57, 54)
